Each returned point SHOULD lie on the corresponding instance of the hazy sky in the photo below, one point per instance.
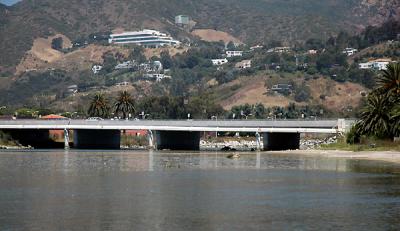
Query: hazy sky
(9, 2)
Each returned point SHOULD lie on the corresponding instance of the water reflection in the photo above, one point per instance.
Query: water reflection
(150, 190)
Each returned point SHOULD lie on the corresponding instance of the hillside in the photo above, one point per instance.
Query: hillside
(255, 21)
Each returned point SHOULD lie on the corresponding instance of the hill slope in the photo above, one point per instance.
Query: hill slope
(251, 21)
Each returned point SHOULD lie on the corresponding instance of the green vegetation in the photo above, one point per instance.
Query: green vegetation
(7, 140)
(365, 144)
(380, 117)
(131, 140)
(258, 111)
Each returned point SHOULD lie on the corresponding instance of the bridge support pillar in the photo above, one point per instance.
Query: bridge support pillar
(97, 139)
(150, 138)
(178, 140)
(66, 139)
(281, 141)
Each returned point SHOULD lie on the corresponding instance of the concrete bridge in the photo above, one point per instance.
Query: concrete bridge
(170, 134)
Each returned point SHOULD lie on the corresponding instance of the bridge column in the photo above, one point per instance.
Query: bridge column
(97, 139)
(66, 139)
(150, 138)
(178, 140)
(277, 141)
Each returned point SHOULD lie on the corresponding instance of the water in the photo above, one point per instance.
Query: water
(145, 190)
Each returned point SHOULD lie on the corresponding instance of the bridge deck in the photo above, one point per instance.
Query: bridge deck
(311, 126)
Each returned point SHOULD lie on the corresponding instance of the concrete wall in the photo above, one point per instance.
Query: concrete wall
(177, 140)
(281, 141)
(97, 139)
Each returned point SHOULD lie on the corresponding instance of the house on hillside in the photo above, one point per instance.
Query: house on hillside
(377, 64)
(243, 64)
(96, 69)
(123, 84)
(230, 54)
(312, 52)
(349, 51)
(282, 88)
(148, 38)
(182, 20)
(219, 62)
(125, 65)
(157, 66)
(72, 89)
(156, 77)
(279, 50)
(256, 47)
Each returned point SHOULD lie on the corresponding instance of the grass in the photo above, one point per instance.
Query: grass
(130, 140)
(367, 144)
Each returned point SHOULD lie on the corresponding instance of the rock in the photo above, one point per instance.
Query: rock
(233, 156)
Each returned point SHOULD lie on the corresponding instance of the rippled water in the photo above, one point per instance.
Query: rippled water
(146, 190)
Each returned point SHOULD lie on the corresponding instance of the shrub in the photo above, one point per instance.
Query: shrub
(353, 136)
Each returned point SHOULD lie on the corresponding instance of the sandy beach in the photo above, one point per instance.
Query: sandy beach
(390, 156)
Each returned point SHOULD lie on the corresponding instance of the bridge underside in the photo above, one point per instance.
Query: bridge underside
(97, 139)
(177, 140)
(36, 138)
(281, 141)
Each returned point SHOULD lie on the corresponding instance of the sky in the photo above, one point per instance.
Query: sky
(9, 2)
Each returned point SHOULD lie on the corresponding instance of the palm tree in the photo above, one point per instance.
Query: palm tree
(99, 106)
(124, 104)
(395, 118)
(376, 117)
(390, 80)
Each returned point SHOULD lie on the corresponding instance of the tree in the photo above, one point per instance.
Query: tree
(124, 105)
(137, 54)
(57, 43)
(166, 59)
(99, 106)
(376, 118)
(390, 80)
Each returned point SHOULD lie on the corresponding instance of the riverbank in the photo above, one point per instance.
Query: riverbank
(389, 156)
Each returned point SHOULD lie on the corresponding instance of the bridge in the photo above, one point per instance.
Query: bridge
(170, 134)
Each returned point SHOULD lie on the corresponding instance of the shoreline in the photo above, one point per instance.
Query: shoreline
(388, 156)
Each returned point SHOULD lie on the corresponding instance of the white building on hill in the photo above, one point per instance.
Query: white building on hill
(378, 64)
(182, 20)
(243, 64)
(144, 38)
(230, 54)
(218, 62)
(349, 51)
(96, 69)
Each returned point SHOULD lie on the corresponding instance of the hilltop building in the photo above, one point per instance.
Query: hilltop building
(151, 38)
